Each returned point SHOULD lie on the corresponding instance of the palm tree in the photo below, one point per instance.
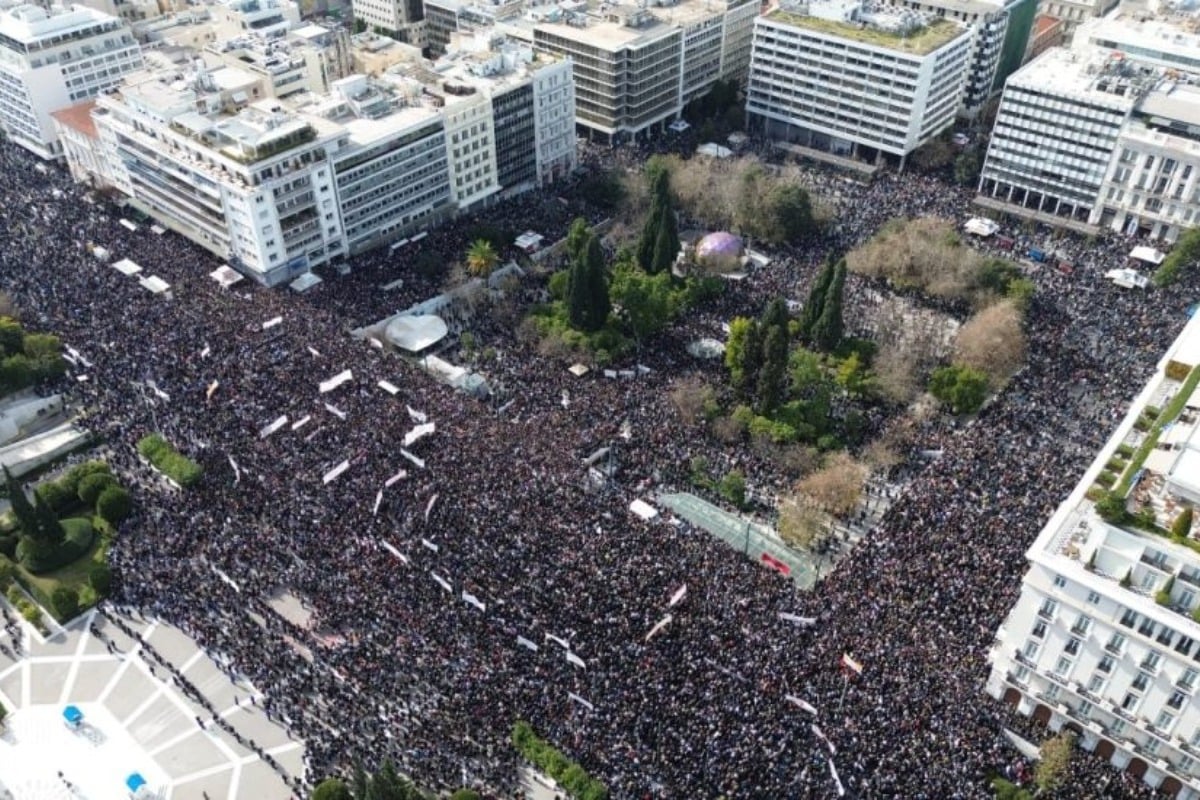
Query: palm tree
(481, 258)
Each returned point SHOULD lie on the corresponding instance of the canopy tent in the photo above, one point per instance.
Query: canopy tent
(127, 267)
(643, 509)
(73, 716)
(679, 126)
(134, 782)
(578, 370)
(155, 285)
(158, 230)
(978, 226)
(127, 224)
(1127, 278)
(416, 332)
(226, 276)
(715, 150)
(529, 241)
(1147, 254)
(305, 282)
(101, 253)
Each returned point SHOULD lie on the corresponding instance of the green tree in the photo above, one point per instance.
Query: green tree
(90, 487)
(1005, 790)
(961, 388)
(789, 214)
(65, 600)
(647, 302)
(732, 487)
(1111, 508)
(1053, 767)
(966, 168)
(852, 376)
(12, 337)
(577, 239)
(773, 375)
(1181, 528)
(666, 244)
(16, 372)
(44, 352)
(735, 350)
(49, 529)
(587, 289)
(481, 258)
(22, 508)
(659, 243)
(816, 301)
(332, 789)
(466, 794)
(114, 504)
(828, 330)
(1185, 253)
(100, 578)
(1163, 595)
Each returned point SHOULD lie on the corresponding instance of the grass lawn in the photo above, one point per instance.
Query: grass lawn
(74, 574)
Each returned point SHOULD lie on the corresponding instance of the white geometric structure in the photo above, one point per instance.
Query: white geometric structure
(1103, 639)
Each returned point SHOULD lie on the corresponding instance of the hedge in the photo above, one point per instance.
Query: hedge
(167, 460)
(114, 505)
(572, 777)
(79, 536)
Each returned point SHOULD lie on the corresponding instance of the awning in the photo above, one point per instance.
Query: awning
(1147, 254)
(305, 282)
(226, 276)
(416, 332)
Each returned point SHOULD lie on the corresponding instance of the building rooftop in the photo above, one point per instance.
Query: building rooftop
(78, 117)
(31, 23)
(1167, 41)
(1174, 102)
(1088, 74)
(621, 28)
(900, 30)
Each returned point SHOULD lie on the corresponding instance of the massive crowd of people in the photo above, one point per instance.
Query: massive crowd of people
(471, 580)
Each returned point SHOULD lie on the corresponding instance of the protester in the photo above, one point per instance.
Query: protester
(395, 666)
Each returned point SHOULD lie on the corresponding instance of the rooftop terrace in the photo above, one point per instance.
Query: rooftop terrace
(920, 41)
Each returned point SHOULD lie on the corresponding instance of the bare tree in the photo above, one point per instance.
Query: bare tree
(728, 429)
(837, 486)
(800, 525)
(993, 342)
(691, 398)
(924, 253)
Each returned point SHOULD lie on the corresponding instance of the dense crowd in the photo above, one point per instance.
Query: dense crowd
(566, 582)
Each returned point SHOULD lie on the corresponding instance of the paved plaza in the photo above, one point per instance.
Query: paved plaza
(135, 720)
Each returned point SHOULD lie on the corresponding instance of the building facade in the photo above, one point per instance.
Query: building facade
(51, 60)
(403, 19)
(1074, 13)
(846, 77)
(1103, 639)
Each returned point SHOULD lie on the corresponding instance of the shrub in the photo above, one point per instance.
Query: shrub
(65, 600)
(1111, 508)
(57, 497)
(466, 794)
(39, 558)
(114, 505)
(1125, 451)
(331, 789)
(14, 594)
(733, 488)
(1181, 528)
(92, 485)
(571, 776)
(167, 460)
(961, 388)
(88, 597)
(7, 570)
(1163, 595)
(8, 544)
(100, 578)
(30, 612)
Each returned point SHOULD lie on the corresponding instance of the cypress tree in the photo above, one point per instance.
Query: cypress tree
(666, 244)
(659, 205)
(816, 301)
(587, 289)
(49, 529)
(21, 507)
(752, 351)
(828, 331)
(774, 369)
(776, 313)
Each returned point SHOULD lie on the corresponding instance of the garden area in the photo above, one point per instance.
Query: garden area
(26, 358)
(178, 468)
(54, 547)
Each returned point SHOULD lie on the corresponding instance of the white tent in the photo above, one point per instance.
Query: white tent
(1127, 278)
(643, 509)
(155, 285)
(1147, 254)
(101, 253)
(305, 282)
(715, 150)
(978, 226)
(226, 276)
(127, 267)
(529, 241)
(415, 333)
(679, 126)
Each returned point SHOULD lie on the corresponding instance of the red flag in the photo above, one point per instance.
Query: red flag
(776, 564)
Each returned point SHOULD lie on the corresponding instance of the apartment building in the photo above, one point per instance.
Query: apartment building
(855, 79)
(1104, 638)
(286, 65)
(52, 59)
(1074, 13)
(403, 19)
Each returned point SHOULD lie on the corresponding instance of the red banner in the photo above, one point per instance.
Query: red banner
(776, 564)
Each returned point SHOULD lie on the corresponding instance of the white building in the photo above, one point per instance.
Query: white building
(1104, 638)
(277, 187)
(1057, 125)
(50, 60)
(841, 75)
(403, 19)
(1073, 13)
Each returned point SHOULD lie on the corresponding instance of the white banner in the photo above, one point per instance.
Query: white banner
(212, 388)
(802, 621)
(418, 461)
(312, 350)
(581, 701)
(378, 500)
(274, 426)
(429, 545)
(679, 593)
(576, 660)
(398, 476)
(237, 472)
(801, 704)
(204, 353)
(523, 642)
(300, 423)
(336, 471)
(337, 412)
(442, 582)
(820, 734)
(335, 381)
(389, 387)
(429, 506)
(419, 432)
(565, 644)
(227, 580)
(838, 781)
(416, 416)
(473, 600)
(388, 546)
(271, 323)
(658, 626)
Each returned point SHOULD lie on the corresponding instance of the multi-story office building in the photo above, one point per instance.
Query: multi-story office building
(403, 19)
(1170, 42)
(52, 59)
(286, 65)
(1104, 638)
(1001, 31)
(1057, 125)
(278, 187)
(443, 18)
(844, 76)
(1074, 13)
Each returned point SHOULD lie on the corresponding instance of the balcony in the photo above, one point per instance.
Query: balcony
(1113, 648)
(1046, 614)
(1123, 714)
(1021, 658)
